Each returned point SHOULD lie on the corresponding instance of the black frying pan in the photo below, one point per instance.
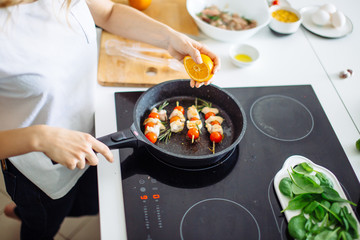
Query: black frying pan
(179, 151)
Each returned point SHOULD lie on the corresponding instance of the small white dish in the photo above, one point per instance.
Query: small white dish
(248, 55)
(284, 27)
(326, 31)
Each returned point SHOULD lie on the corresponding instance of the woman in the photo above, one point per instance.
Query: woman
(47, 77)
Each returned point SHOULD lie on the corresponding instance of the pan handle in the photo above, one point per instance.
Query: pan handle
(121, 139)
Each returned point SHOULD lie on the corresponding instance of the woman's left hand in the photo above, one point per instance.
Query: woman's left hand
(180, 46)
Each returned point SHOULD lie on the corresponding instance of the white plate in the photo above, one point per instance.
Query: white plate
(294, 160)
(326, 31)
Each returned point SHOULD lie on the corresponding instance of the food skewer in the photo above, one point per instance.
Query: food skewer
(177, 119)
(153, 126)
(194, 124)
(213, 124)
(177, 122)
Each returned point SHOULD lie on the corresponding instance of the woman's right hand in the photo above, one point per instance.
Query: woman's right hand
(73, 149)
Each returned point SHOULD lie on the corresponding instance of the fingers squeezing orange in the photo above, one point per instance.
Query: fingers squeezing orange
(199, 72)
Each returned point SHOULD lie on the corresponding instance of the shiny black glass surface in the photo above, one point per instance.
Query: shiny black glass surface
(234, 199)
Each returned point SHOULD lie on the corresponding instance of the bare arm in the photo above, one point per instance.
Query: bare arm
(127, 22)
(69, 148)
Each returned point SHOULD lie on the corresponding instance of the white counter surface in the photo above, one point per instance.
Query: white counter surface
(301, 58)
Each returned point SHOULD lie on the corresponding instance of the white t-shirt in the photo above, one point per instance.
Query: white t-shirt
(48, 69)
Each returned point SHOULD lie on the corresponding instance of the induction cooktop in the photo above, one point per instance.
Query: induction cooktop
(235, 199)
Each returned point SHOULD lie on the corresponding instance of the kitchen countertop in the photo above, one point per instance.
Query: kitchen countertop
(300, 58)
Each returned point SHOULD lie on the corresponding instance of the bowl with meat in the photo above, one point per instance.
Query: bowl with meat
(229, 20)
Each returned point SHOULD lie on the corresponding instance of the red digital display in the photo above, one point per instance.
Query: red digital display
(143, 197)
(156, 196)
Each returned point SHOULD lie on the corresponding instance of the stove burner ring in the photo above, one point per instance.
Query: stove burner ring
(219, 218)
(218, 163)
(282, 118)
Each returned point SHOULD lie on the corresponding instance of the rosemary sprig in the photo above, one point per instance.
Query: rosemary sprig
(198, 127)
(163, 105)
(203, 104)
(166, 135)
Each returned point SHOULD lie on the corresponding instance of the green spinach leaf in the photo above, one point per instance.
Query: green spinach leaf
(299, 202)
(327, 235)
(332, 195)
(303, 168)
(306, 183)
(285, 187)
(296, 227)
(353, 226)
(324, 180)
(344, 235)
(311, 207)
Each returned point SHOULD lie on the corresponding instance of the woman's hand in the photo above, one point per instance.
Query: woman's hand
(70, 148)
(180, 45)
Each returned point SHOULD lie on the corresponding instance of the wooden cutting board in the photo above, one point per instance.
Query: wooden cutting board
(119, 70)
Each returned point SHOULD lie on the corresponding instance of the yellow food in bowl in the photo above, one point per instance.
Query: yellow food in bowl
(286, 16)
(243, 58)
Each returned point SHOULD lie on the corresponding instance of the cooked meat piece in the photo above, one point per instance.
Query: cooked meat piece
(194, 124)
(153, 120)
(162, 114)
(177, 113)
(214, 118)
(205, 110)
(192, 112)
(177, 126)
(155, 129)
(214, 128)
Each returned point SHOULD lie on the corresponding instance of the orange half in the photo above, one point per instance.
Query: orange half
(140, 4)
(199, 72)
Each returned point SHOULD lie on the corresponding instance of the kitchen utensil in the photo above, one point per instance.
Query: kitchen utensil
(180, 152)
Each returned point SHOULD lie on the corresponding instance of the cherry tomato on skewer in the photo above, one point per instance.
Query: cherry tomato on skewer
(180, 108)
(209, 114)
(216, 137)
(151, 136)
(215, 122)
(154, 115)
(193, 133)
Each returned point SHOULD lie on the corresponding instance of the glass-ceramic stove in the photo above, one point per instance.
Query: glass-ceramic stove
(235, 199)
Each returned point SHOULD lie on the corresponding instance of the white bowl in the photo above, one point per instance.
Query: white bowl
(284, 27)
(255, 9)
(246, 49)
